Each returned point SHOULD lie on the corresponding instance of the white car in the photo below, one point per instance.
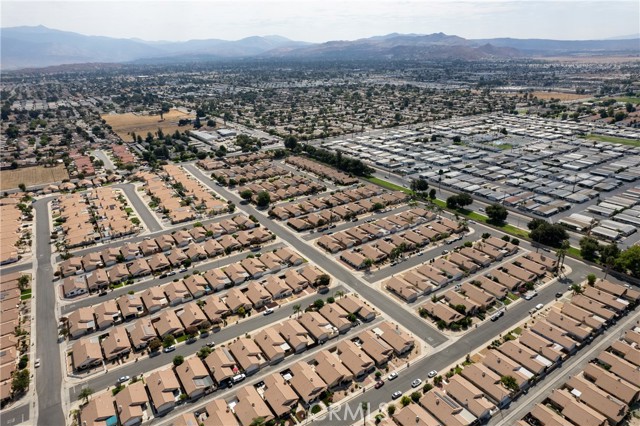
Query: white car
(170, 348)
(396, 395)
(432, 374)
(37, 363)
(124, 379)
(539, 306)
(392, 376)
(267, 311)
(416, 383)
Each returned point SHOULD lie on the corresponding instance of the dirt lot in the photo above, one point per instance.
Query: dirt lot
(560, 95)
(36, 175)
(124, 124)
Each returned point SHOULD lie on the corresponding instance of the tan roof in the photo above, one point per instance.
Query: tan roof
(611, 383)
(468, 395)
(597, 399)
(294, 333)
(305, 381)
(547, 416)
(85, 351)
(445, 409)
(130, 400)
(394, 336)
(279, 395)
(219, 413)
(250, 406)
(577, 412)
(354, 358)
(221, 364)
(330, 368)
(272, 343)
(116, 342)
(193, 375)
(161, 385)
(98, 410)
(415, 415)
(247, 353)
(486, 380)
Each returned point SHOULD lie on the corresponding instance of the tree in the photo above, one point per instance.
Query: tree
(589, 247)
(405, 400)
(391, 409)
(168, 340)
(510, 383)
(23, 281)
(211, 123)
(84, 394)
(415, 396)
(263, 199)
(154, 344)
(296, 309)
(246, 194)
(22, 187)
(318, 304)
(432, 193)
(21, 380)
(497, 213)
(258, 421)
(609, 251)
(629, 260)
(178, 360)
(367, 262)
(452, 202)
(419, 185)
(323, 280)
(591, 279)
(546, 233)
(291, 143)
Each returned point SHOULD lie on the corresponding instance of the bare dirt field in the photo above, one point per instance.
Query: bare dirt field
(560, 95)
(37, 175)
(124, 124)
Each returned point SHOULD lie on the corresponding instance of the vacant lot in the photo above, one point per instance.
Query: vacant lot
(560, 95)
(38, 175)
(124, 124)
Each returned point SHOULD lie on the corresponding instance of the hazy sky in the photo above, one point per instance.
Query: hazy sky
(316, 21)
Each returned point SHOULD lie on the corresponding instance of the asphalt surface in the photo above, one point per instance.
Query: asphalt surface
(101, 155)
(9, 269)
(154, 282)
(405, 318)
(143, 211)
(146, 364)
(49, 376)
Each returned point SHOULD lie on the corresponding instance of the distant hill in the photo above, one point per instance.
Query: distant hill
(33, 47)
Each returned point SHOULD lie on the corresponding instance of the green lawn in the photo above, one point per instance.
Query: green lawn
(629, 99)
(504, 146)
(388, 185)
(25, 296)
(613, 139)
(575, 252)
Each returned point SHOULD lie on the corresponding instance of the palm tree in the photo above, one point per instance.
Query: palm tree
(338, 294)
(84, 394)
(296, 309)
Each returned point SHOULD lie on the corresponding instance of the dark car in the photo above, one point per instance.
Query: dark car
(379, 384)
(558, 295)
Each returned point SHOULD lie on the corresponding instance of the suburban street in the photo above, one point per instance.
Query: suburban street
(147, 364)
(143, 211)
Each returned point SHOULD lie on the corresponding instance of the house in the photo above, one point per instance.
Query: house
(549, 263)
(493, 288)
(526, 357)
(574, 328)
(574, 410)
(116, 344)
(442, 312)
(164, 390)
(476, 256)
(623, 389)
(318, 327)
(194, 377)
(541, 346)
(505, 279)
(85, 354)
(272, 262)
(354, 358)
(182, 238)
(446, 409)
(337, 316)
(531, 266)
(217, 279)
(81, 322)
(374, 346)
(295, 281)
(250, 406)
(219, 413)
(74, 286)
(167, 323)
(257, 294)
(353, 259)
(191, 315)
(295, 335)
(277, 287)
(110, 256)
(130, 403)
(158, 261)
(452, 271)
(130, 251)
(279, 395)
(354, 305)
(107, 314)
(97, 280)
(501, 244)
(98, 410)
(176, 257)
(463, 262)
(587, 318)
(236, 273)
(71, 266)
(196, 252)
(272, 344)
(148, 247)
(415, 415)
(91, 261)
(236, 299)
(519, 273)
(131, 306)
(331, 370)
(248, 355)
(400, 341)
(141, 334)
(555, 334)
(213, 248)
(221, 365)
(118, 273)
(306, 382)
(177, 293)
(488, 382)
(312, 274)
(597, 399)
(288, 256)
(197, 285)
(139, 268)
(154, 299)
(401, 288)
(214, 308)
(480, 297)
(469, 396)
(436, 276)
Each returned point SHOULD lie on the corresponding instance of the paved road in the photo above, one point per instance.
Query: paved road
(143, 211)
(164, 359)
(15, 416)
(100, 155)
(49, 376)
(154, 282)
(406, 318)
(6, 270)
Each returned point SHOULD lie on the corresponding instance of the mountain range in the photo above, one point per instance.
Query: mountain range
(35, 47)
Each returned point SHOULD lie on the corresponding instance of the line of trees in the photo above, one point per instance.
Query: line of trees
(337, 160)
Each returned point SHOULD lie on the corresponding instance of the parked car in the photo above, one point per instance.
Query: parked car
(37, 363)
(170, 348)
(432, 374)
(392, 376)
(123, 379)
(416, 383)
(379, 384)
(396, 395)
(267, 311)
